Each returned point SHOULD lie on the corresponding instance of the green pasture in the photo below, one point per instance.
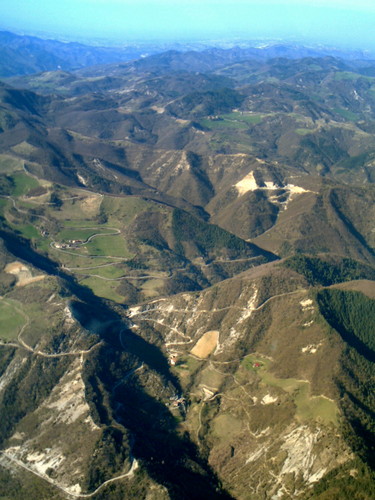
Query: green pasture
(151, 287)
(222, 124)
(103, 288)
(238, 141)
(211, 378)
(226, 427)
(27, 230)
(76, 224)
(111, 246)
(249, 362)
(249, 118)
(3, 204)
(349, 75)
(346, 75)
(23, 183)
(81, 233)
(234, 120)
(308, 407)
(73, 258)
(41, 322)
(11, 320)
(121, 211)
(117, 212)
(187, 364)
(74, 211)
(110, 272)
(345, 113)
(8, 164)
(43, 244)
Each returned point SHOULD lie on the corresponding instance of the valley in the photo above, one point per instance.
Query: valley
(187, 278)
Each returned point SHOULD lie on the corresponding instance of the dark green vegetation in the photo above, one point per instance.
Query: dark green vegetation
(352, 315)
(352, 481)
(328, 272)
(144, 310)
(210, 239)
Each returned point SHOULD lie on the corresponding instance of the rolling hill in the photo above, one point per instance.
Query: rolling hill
(187, 276)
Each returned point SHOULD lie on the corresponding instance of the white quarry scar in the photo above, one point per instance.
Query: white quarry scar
(248, 183)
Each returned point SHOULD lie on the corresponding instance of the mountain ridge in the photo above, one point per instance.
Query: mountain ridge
(187, 279)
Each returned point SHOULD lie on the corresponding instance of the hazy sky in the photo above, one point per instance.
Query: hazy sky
(340, 22)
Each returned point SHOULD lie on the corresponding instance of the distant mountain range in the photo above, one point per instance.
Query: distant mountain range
(23, 54)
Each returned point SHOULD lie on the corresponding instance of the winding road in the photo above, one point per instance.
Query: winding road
(134, 313)
(128, 474)
(22, 344)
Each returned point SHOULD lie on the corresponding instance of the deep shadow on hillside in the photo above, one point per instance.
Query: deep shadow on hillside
(352, 315)
(168, 458)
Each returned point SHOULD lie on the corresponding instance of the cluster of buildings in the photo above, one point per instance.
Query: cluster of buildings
(69, 244)
(172, 358)
(178, 402)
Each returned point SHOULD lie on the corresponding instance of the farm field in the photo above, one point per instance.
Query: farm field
(309, 407)
(11, 320)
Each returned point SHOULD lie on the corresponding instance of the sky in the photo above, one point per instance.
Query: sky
(337, 22)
